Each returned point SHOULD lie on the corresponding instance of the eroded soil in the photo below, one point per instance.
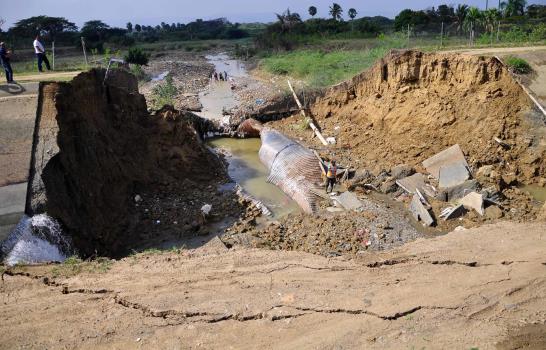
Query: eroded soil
(482, 288)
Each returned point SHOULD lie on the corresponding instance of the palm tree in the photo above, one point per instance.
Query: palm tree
(491, 18)
(473, 18)
(460, 16)
(352, 13)
(288, 19)
(336, 12)
(312, 11)
(515, 8)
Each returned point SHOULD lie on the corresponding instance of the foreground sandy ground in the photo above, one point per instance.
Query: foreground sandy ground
(482, 288)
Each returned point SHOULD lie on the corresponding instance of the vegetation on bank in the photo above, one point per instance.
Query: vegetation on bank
(320, 68)
(518, 65)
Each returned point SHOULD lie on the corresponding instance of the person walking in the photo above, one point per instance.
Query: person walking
(40, 54)
(5, 62)
(331, 176)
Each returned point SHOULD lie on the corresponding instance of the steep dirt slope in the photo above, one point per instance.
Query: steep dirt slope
(482, 288)
(110, 171)
(411, 105)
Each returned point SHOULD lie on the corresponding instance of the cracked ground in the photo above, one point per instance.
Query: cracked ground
(481, 288)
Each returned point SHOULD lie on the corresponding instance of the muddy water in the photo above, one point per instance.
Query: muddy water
(536, 191)
(219, 97)
(246, 169)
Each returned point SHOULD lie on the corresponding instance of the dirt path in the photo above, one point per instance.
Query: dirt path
(476, 288)
(47, 76)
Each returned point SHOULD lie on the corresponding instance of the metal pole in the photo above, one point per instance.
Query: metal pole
(84, 53)
(442, 36)
(53, 54)
(408, 34)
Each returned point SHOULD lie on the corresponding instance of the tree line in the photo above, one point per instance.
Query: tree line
(96, 33)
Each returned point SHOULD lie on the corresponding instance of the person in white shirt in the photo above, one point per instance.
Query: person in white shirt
(40, 54)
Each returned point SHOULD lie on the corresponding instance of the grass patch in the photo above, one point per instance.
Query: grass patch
(518, 65)
(320, 68)
(74, 266)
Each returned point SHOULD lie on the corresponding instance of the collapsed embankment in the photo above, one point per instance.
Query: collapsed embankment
(412, 105)
(112, 173)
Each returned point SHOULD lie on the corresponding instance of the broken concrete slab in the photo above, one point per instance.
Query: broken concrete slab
(459, 191)
(420, 212)
(334, 210)
(412, 183)
(448, 156)
(349, 201)
(455, 212)
(474, 201)
(453, 174)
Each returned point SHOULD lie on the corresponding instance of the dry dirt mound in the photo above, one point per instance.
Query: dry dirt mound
(411, 105)
(479, 288)
(97, 148)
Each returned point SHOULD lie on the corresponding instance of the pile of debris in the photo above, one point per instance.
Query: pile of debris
(449, 181)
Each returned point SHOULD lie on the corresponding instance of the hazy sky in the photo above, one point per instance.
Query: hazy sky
(119, 12)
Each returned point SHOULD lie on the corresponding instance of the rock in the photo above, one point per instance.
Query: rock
(404, 89)
(411, 183)
(138, 199)
(402, 171)
(389, 186)
(349, 201)
(493, 212)
(484, 171)
(508, 180)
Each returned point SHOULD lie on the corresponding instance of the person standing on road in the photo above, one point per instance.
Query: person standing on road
(40, 54)
(4, 61)
(331, 176)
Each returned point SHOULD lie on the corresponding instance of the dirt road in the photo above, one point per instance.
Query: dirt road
(476, 288)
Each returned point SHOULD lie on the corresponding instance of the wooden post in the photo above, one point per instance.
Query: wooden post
(53, 54)
(84, 53)
(311, 124)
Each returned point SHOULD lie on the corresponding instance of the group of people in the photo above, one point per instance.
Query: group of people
(219, 76)
(5, 58)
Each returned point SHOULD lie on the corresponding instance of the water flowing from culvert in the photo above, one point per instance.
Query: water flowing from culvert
(35, 239)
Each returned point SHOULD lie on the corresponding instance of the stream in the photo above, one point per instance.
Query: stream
(245, 167)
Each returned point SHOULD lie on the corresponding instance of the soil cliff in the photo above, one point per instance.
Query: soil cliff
(98, 156)
(411, 105)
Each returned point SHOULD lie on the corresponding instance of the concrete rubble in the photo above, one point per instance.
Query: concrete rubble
(349, 201)
(474, 201)
(420, 212)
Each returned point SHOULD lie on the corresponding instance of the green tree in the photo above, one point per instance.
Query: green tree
(312, 11)
(473, 18)
(135, 55)
(460, 16)
(536, 11)
(95, 30)
(129, 27)
(490, 19)
(45, 25)
(288, 20)
(336, 12)
(138, 28)
(352, 13)
(515, 8)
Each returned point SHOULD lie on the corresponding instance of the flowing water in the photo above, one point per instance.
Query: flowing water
(219, 96)
(34, 240)
(536, 191)
(247, 170)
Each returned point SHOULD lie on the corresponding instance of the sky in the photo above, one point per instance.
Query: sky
(119, 12)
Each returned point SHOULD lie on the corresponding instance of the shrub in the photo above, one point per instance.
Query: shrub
(164, 94)
(135, 55)
(518, 65)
